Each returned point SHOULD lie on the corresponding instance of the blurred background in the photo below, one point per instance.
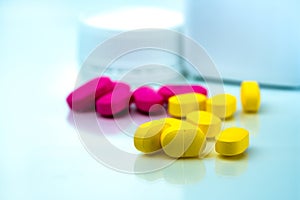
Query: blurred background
(45, 32)
(244, 41)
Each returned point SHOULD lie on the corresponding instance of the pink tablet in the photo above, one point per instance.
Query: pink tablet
(83, 98)
(145, 98)
(168, 91)
(115, 101)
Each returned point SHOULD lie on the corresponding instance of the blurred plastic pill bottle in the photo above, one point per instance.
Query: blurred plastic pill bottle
(136, 66)
(248, 40)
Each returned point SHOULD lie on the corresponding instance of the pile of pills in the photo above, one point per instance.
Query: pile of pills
(176, 137)
(196, 117)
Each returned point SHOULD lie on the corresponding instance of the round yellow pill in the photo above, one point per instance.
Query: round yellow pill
(147, 136)
(232, 141)
(206, 121)
(222, 105)
(186, 141)
(180, 105)
(250, 96)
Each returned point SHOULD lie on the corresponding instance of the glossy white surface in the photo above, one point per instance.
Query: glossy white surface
(42, 156)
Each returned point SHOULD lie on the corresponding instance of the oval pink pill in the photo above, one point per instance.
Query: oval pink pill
(115, 101)
(145, 98)
(168, 91)
(83, 98)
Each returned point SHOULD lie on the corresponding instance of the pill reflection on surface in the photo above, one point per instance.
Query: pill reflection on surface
(231, 166)
(177, 172)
